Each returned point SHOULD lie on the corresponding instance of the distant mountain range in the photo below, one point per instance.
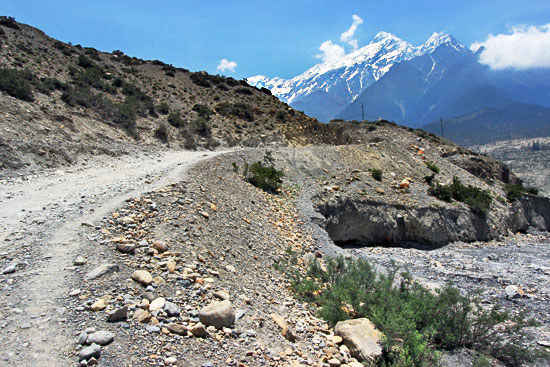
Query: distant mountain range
(417, 86)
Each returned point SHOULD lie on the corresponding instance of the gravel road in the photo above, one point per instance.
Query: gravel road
(41, 222)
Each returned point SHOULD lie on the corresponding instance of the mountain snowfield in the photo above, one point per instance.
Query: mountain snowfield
(338, 83)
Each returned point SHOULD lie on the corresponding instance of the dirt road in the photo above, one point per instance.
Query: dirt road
(42, 230)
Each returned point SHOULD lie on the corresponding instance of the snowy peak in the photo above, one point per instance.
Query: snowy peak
(345, 79)
(438, 39)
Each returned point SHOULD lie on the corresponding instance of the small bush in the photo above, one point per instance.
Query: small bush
(163, 108)
(240, 110)
(200, 79)
(175, 119)
(17, 83)
(432, 167)
(264, 175)
(429, 179)
(203, 111)
(9, 22)
(84, 61)
(245, 91)
(477, 199)
(376, 174)
(162, 133)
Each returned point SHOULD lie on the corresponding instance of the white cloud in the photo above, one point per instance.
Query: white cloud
(525, 47)
(347, 36)
(331, 51)
(227, 65)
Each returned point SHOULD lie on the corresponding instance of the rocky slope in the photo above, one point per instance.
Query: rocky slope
(62, 102)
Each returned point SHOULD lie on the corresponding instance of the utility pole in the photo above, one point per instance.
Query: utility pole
(441, 123)
(362, 113)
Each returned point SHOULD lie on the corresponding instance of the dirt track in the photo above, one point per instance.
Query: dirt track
(41, 220)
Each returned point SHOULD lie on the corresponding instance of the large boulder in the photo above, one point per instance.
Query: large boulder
(361, 337)
(218, 314)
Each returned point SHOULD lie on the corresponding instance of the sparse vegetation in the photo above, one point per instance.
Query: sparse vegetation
(516, 191)
(432, 167)
(477, 199)
(264, 175)
(175, 119)
(376, 174)
(415, 322)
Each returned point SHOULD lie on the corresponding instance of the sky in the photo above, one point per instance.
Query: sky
(242, 38)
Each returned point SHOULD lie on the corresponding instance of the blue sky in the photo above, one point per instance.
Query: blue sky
(273, 38)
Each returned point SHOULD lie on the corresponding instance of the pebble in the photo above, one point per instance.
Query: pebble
(152, 329)
(170, 360)
(75, 292)
(172, 309)
(142, 276)
(118, 314)
(100, 271)
(26, 325)
(102, 337)
(9, 269)
(92, 351)
(79, 261)
(157, 304)
(160, 246)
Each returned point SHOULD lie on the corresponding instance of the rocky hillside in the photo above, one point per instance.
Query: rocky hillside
(61, 101)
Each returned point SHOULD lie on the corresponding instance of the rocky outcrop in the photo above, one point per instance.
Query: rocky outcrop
(367, 222)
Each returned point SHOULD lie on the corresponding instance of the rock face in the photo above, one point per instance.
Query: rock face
(218, 314)
(361, 337)
(374, 222)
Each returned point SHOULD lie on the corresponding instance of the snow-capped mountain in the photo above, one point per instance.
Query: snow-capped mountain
(327, 88)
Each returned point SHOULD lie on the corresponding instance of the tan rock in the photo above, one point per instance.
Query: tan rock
(142, 316)
(218, 314)
(171, 265)
(160, 246)
(157, 304)
(98, 305)
(177, 328)
(361, 337)
(142, 276)
(286, 331)
(198, 330)
(222, 295)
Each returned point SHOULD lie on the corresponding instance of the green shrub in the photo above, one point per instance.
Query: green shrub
(240, 110)
(17, 83)
(516, 191)
(200, 79)
(9, 22)
(477, 199)
(161, 133)
(376, 174)
(163, 108)
(415, 322)
(175, 119)
(432, 167)
(244, 90)
(84, 61)
(264, 175)
(203, 111)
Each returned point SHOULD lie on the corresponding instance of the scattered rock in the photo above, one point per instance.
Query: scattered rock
(142, 316)
(198, 330)
(100, 271)
(222, 295)
(217, 314)
(118, 314)
(171, 309)
(126, 248)
(92, 351)
(142, 276)
(361, 337)
(9, 269)
(160, 246)
(286, 331)
(157, 304)
(102, 337)
(98, 305)
(513, 291)
(170, 361)
(177, 328)
(79, 261)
